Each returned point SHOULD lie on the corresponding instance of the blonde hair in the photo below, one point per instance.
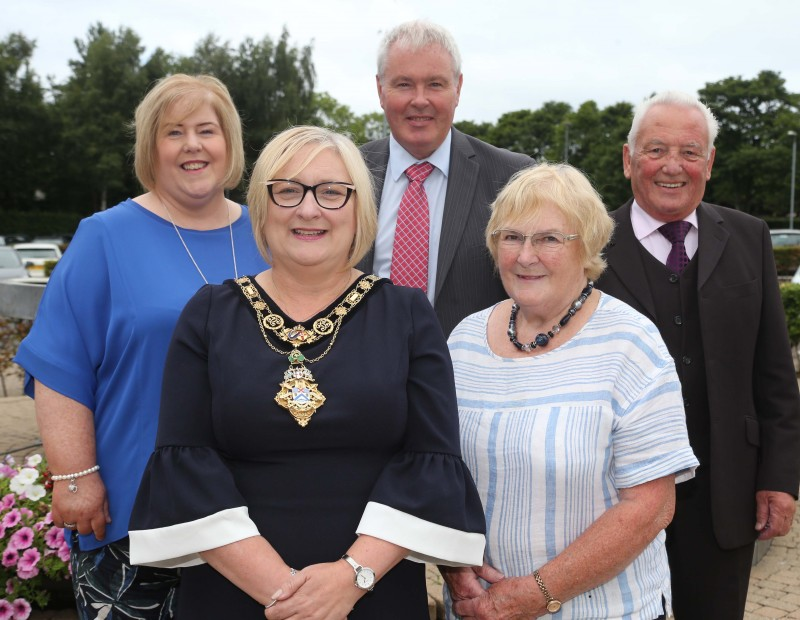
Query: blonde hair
(277, 154)
(190, 93)
(571, 193)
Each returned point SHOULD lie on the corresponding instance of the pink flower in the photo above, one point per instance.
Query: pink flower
(9, 586)
(63, 555)
(22, 538)
(29, 560)
(22, 609)
(26, 512)
(10, 557)
(2, 531)
(27, 574)
(11, 518)
(7, 502)
(6, 610)
(54, 537)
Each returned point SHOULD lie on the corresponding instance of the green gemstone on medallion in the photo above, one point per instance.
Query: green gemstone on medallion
(295, 357)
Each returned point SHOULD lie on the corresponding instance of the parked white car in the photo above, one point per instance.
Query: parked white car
(11, 264)
(35, 255)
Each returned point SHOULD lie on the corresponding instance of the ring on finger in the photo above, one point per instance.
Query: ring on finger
(70, 526)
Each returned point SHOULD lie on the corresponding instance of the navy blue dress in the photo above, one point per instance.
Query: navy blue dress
(385, 442)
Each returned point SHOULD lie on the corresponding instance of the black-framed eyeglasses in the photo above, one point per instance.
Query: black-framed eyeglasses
(547, 241)
(329, 195)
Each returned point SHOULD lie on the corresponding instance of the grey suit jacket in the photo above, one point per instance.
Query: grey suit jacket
(466, 280)
(753, 399)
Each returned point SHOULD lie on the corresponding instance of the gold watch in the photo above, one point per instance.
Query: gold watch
(553, 604)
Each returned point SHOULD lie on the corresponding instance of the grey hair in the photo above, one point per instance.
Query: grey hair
(673, 97)
(414, 35)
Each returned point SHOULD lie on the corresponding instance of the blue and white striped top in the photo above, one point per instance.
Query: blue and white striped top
(550, 439)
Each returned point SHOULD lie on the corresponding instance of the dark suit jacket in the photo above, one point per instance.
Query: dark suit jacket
(466, 280)
(752, 386)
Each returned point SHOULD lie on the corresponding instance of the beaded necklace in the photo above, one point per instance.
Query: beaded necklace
(542, 340)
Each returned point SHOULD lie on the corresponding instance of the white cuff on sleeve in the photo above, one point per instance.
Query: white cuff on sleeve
(180, 545)
(426, 541)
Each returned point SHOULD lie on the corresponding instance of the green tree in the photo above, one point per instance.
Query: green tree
(751, 169)
(339, 117)
(26, 128)
(271, 82)
(531, 131)
(595, 146)
(96, 106)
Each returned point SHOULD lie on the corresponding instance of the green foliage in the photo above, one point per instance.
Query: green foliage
(26, 127)
(752, 166)
(12, 331)
(790, 293)
(38, 223)
(338, 117)
(787, 258)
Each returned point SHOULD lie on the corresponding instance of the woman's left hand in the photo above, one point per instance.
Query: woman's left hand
(320, 591)
(507, 599)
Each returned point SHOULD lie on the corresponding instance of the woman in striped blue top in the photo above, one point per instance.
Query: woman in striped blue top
(572, 421)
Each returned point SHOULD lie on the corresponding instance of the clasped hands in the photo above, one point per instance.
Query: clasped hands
(318, 592)
(505, 598)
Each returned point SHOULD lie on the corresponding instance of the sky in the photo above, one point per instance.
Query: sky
(517, 54)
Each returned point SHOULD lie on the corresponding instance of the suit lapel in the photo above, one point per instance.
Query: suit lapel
(713, 237)
(461, 182)
(624, 259)
(376, 157)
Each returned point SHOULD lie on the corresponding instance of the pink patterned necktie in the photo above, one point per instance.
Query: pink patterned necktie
(410, 252)
(676, 232)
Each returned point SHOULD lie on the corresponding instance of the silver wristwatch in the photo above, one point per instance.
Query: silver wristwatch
(365, 577)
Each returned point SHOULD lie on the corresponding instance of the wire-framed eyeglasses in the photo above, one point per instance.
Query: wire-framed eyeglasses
(547, 241)
(329, 195)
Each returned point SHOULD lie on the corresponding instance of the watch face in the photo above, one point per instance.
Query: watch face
(365, 578)
(553, 606)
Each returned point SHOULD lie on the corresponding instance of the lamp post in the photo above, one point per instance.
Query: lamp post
(794, 166)
(566, 143)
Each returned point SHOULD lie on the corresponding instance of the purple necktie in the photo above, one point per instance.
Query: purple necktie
(676, 232)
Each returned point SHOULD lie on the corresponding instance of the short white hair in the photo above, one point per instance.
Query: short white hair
(415, 35)
(675, 98)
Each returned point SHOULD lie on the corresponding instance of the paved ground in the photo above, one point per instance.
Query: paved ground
(774, 583)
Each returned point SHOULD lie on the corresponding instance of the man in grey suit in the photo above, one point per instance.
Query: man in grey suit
(712, 291)
(419, 84)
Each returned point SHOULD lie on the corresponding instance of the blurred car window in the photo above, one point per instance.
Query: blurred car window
(784, 237)
(11, 264)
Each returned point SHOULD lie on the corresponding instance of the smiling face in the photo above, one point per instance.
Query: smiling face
(671, 162)
(192, 155)
(542, 283)
(419, 95)
(308, 235)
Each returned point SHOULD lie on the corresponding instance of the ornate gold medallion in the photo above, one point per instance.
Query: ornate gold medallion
(299, 393)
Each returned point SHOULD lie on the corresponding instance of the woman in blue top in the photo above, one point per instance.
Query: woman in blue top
(96, 352)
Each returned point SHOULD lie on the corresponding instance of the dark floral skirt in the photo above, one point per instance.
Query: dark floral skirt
(107, 586)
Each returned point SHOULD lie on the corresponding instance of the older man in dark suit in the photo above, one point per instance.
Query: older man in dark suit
(705, 275)
(419, 84)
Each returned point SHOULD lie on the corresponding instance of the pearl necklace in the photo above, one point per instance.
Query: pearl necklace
(542, 340)
(186, 247)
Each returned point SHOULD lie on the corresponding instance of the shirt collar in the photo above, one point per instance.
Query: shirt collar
(400, 159)
(645, 224)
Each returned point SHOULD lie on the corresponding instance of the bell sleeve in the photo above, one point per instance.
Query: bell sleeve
(188, 501)
(425, 499)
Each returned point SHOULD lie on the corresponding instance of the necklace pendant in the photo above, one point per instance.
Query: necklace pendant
(299, 394)
(296, 357)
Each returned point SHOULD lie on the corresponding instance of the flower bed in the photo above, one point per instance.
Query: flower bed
(34, 552)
